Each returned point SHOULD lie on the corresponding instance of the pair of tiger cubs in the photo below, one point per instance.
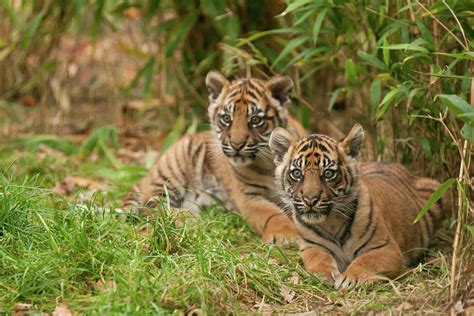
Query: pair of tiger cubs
(353, 220)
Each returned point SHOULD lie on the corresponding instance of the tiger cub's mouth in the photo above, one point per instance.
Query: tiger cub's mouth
(314, 214)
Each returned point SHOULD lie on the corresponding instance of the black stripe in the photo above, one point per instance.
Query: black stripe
(260, 170)
(317, 231)
(379, 246)
(162, 176)
(189, 147)
(254, 194)
(371, 236)
(347, 231)
(252, 94)
(244, 180)
(322, 147)
(268, 220)
(371, 215)
(322, 246)
(196, 154)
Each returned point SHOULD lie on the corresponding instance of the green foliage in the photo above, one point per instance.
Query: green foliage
(394, 59)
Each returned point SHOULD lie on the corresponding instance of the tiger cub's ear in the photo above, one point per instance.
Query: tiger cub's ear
(280, 141)
(280, 88)
(215, 82)
(351, 145)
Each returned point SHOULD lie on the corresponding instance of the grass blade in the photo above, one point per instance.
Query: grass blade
(434, 198)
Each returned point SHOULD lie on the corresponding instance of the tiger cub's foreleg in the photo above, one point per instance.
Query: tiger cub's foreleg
(318, 261)
(268, 220)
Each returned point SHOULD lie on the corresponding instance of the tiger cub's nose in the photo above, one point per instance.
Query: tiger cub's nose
(311, 201)
(237, 146)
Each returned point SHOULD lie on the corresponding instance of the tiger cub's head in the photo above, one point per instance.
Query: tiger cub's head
(244, 112)
(316, 175)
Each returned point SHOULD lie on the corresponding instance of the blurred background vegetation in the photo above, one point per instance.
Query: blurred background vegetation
(401, 68)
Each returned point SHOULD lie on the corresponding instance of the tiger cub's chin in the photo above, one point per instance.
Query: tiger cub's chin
(355, 219)
(241, 161)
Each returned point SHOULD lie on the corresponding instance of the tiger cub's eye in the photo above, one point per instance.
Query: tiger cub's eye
(256, 120)
(328, 174)
(225, 118)
(296, 174)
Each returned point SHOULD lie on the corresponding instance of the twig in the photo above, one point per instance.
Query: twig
(459, 23)
(460, 222)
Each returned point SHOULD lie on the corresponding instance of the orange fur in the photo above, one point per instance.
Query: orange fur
(355, 219)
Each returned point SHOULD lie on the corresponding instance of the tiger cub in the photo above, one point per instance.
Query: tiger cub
(232, 162)
(354, 219)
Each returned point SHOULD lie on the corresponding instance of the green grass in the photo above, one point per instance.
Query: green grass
(53, 250)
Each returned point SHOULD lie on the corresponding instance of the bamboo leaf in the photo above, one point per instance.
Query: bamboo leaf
(258, 35)
(434, 198)
(293, 44)
(372, 60)
(425, 33)
(180, 32)
(351, 72)
(415, 46)
(386, 53)
(467, 131)
(293, 6)
(148, 71)
(386, 102)
(375, 94)
(317, 24)
(334, 96)
(455, 104)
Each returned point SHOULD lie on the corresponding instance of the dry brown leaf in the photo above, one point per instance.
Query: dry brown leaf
(194, 311)
(141, 105)
(21, 308)
(182, 216)
(28, 100)
(287, 294)
(294, 279)
(71, 183)
(46, 151)
(62, 310)
(132, 13)
(405, 306)
(272, 261)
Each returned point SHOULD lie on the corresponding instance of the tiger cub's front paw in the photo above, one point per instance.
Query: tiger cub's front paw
(280, 230)
(352, 277)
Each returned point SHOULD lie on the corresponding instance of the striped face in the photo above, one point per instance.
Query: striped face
(244, 112)
(316, 175)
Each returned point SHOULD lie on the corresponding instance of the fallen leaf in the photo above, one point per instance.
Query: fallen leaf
(287, 294)
(182, 216)
(132, 13)
(194, 311)
(21, 308)
(70, 183)
(28, 100)
(62, 310)
(107, 286)
(294, 279)
(272, 261)
(405, 306)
